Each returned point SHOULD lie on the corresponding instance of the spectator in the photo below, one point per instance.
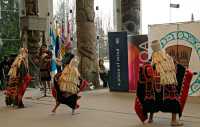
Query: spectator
(103, 73)
(45, 67)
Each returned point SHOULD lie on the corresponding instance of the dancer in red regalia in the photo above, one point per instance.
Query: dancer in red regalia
(163, 86)
(19, 80)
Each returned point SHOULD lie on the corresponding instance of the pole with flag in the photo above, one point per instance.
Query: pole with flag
(62, 38)
(66, 39)
(68, 42)
(62, 32)
(172, 5)
(52, 48)
(57, 44)
(52, 36)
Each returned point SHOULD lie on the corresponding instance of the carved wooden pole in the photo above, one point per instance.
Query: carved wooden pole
(86, 40)
(130, 16)
(31, 36)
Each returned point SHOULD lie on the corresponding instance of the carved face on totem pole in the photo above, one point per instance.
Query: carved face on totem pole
(131, 16)
(87, 12)
(31, 7)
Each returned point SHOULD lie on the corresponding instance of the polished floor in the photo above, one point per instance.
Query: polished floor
(99, 108)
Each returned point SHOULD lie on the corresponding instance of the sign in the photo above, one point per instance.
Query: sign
(137, 54)
(175, 5)
(118, 56)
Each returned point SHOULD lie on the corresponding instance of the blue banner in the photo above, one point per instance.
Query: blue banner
(118, 55)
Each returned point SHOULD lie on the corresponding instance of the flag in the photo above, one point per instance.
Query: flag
(62, 37)
(57, 43)
(52, 48)
(57, 46)
(52, 36)
(68, 42)
(174, 5)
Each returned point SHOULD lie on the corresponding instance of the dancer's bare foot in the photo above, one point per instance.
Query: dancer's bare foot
(150, 121)
(56, 106)
(150, 118)
(73, 111)
(79, 97)
(53, 111)
(176, 123)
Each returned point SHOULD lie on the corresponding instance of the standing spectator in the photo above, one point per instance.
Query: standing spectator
(5, 66)
(1, 76)
(45, 68)
(103, 73)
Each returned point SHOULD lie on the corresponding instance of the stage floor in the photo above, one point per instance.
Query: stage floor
(99, 108)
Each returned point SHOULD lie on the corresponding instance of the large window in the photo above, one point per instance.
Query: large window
(9, 27)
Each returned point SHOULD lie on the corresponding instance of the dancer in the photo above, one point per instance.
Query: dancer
(159, 86)
(18, 80)
(67, 86)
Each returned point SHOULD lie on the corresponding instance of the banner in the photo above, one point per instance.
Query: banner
(118, 56)
(182, 42)
(137, 54)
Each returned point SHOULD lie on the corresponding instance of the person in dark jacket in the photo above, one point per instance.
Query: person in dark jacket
(103, 73)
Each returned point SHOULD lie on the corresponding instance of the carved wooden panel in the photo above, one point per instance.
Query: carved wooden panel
(130, 16)
(33, 23)
(31, 7)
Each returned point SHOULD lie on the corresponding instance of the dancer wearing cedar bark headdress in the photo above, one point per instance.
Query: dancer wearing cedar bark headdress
(163, 86)
(68, 84)
(19, 79)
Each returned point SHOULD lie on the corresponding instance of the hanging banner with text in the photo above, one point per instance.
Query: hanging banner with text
(118, 56)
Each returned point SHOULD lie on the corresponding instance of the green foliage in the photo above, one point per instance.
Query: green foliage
(9, 27)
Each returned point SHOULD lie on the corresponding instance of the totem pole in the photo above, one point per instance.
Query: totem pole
(33, 28)
(86, 40)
